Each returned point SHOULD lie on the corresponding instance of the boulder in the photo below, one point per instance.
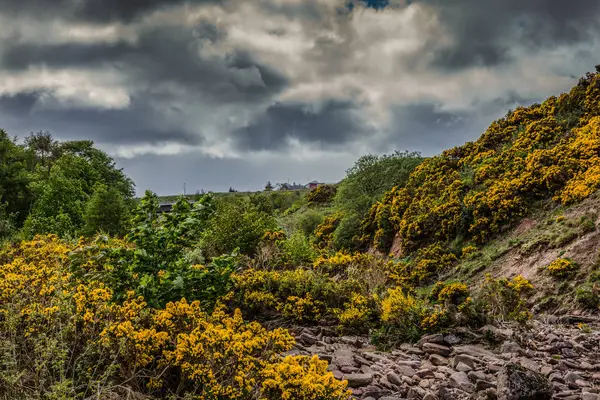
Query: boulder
(358, 380)
(519, 383)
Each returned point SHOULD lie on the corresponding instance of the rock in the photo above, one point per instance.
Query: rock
(518, 383)
(582, 383)
(451, 340)
(358, 380)
(463, 367)
(571, 377)
(465, 359)
(429, 396)
(483, 385)
(433, 348)
(307, 338)
(438, 360)
(405, 370)
(589, 396)
(343, 357)
(394, 378)
(461, 381)
(425, 373)
(511, 347)
(475, 376)
(436, 338)
(546, 370)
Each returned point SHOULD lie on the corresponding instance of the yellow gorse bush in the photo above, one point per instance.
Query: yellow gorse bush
(68, 338)
(561, 267)
(545, 151)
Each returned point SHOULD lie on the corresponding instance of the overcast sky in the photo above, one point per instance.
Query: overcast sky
(220, 93)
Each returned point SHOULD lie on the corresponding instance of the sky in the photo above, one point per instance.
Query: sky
(231, 93)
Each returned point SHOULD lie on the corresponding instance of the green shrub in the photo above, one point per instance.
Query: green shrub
(308, 221)
(505, 299)
(562, 267)
(346, 234)
(236, 224)
(322, 194)
(106, 212)
(588, 295)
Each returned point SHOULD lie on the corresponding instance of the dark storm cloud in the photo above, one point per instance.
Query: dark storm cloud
(18, 105)
(484, 31)
(135, 124)
(334, 124)
(96, 11)
(166, 54)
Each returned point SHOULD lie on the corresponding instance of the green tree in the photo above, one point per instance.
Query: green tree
(372, 176)
(15, 194)
(269, 186)
(106, 212)
(236, 224)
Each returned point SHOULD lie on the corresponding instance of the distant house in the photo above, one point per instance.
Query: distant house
(313, 184)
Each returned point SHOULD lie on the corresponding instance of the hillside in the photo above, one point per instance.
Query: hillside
(471, 194)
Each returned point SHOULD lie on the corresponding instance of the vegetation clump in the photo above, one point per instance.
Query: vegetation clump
(562, 267)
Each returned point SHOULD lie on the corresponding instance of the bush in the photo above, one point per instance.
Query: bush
(588, 295)
(309, 221)
(298, 251)
(370, 177)
(562, 267)
(346, 234)
(324, 232)
(321, 195)
(63, 335)
(236, 224)
(106, 212)
(407, 318)
(505, 299)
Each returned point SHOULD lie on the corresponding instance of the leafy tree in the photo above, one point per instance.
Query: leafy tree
(160, 257)
(44, 148)
(15, 193)
(106, 212)
(236, 224)
(269, 186)
(372, 176)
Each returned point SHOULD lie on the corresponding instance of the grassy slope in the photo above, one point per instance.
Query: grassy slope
(551, 232)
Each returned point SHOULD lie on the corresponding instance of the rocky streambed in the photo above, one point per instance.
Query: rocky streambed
(549, 360)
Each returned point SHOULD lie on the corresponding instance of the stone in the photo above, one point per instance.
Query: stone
(571, 377)
(451, 340)
(394, 378)
(436, 338)
(582, 383)
(511, 347)
(438, 360)
(358, 380)
(483, 385)
(343, 357)
(460, 380)
(425, 373)
(429, 396)
(463, 367)
(589, 396)
(433, 348)
(546, 370)
(405, 370)
(465, 359)
(475, 376)
(307, 338)
(518, 383)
